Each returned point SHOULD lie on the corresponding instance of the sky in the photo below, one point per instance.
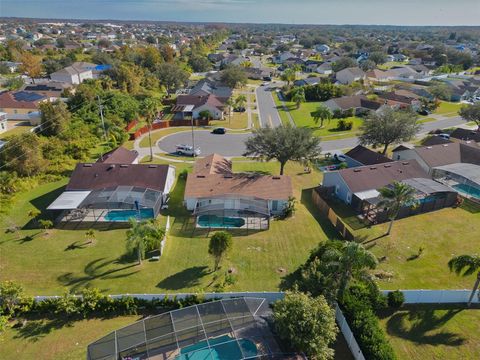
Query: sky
(379, 12)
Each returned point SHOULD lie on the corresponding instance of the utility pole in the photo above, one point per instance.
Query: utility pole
(100, 106)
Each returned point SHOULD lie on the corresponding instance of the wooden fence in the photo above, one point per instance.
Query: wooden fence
(319, 195)
(167, 124)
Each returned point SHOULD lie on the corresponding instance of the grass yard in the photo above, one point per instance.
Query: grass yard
(442, 234)
(448, 109)
(422, 120)
(15, 130)
(431, 332)
(56, 339)
(302, 117)
(158, 134)
(61, 259)
(237, 120)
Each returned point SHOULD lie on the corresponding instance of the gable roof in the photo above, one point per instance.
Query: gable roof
(355, 101)
(377, 176)
(20, 99)
(212, 164)
(366, 156)
(199, 100)
(119, 155)
(445, 154)
(100, 176)
(465, 134)
(355, 71)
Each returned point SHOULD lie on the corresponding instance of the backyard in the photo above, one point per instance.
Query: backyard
(47, 262)
(302, 118)
(434, 332)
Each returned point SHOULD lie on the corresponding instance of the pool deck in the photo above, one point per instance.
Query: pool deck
(252, 223)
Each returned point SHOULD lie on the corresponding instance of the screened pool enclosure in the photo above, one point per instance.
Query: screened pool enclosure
(229, 329)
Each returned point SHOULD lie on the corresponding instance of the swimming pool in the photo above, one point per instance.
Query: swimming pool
(469, 190)
(221, 348)
(220, 222)
(125, 215)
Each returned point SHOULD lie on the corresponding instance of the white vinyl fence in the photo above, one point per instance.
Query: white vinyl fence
(348, 335)
(164, 240)
(438, 296)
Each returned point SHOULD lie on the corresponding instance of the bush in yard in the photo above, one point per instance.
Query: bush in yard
(344, 125)
(395, 299)
(307, 324)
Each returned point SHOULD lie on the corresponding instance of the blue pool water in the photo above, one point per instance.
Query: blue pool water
(469, 190)
(125, 215)
(217, 221)
(222, 348)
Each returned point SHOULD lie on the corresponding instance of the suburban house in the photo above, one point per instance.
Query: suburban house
(465, 135)
(350, 75)
(456, 165)
(107, 192)
(51, 89)
(119, 155)
(358, 187)
(397, 57)
(3, 122)
(281, 58)
(74, 74)
(215, 194)
(207, 87)
(359, 103)
(11, 65)
(307, 81)
(311, 65)
(191, 106)
(322, 48)
(258, 73)
(360, 156)
(19, 104)
(399, 101)
(325, 68)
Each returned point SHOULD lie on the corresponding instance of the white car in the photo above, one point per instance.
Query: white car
(187, 150)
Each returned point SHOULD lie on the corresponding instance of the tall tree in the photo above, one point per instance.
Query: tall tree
(150, 110)
(471, 113)
(321, 114)
(468, 264)
(55, 117)
(230, 103)
(220, 243)
(348, 262)
(234, 76)
(289, 75)
(31, 65)
(298, 97)
(307, 324)
(23, 154)
(143, 236)
(394, 198)
(171, 76)
(389, 126)
(283, 143)
(240, 101)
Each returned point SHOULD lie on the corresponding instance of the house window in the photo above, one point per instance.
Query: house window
(274, 205)
(336, 189)
(15, 111)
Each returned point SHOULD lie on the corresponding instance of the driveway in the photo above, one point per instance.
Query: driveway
(267, 109)
(226, 145)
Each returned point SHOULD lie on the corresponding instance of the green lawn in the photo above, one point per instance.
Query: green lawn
(434, 333)
(237, 120)
(19, 129)
(443, 234)
(57, 339)
(448, 108)
(302, 118)
(49, 263)
(426, 119)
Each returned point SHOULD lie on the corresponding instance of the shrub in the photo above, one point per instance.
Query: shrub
(344, 125)
(395, 299)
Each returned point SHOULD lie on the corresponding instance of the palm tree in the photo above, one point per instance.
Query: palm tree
(321, 114)
(348, 261)
(467, 264)
(90, 236)
(298, 97)
(289, 75)
(394, 197)
(230, 103)
(150, 108)
(240, 101)
(143, 236)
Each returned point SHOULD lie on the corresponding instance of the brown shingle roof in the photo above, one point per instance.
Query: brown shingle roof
(14, 100)
(377, 176)
(100, 175)
(366, 156)
(119, 155)
(213, 177)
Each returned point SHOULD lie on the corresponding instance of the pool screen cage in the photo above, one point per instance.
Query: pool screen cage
(230, 328)
(100, 201)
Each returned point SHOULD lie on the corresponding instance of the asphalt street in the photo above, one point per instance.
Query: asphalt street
(266, 107)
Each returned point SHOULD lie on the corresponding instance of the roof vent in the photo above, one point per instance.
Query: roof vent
(152, 166)
(111, 167)
(276, 177)
(429, 147)
(387, 165)
(87, 165)
(228, 176)
(445, 145)
(373, 167)
(357, 170)
(201, 176)
(124, 166)
(405, 163)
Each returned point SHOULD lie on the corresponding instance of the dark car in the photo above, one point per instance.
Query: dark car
(219, 131)
(424, 112)
(239, 109)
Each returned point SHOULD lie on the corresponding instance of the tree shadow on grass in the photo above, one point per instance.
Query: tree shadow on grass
(186, 278)
(416, 325)
(325, 224)
(35, 330)
(94, 270)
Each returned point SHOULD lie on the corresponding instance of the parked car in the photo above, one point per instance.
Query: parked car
(187, 150)
(340, 157)
(424, 112)
(267, 78)
(219, 131)
(239, 109)
(444, 136)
